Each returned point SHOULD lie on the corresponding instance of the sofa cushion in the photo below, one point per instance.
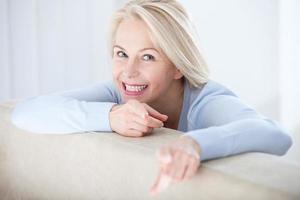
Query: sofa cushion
(99, 165)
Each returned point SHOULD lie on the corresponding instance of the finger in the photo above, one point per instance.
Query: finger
(184, 173)
(132, 133)
(154, 187)
(164, 155)
(155, 113)
(149, 121)
(191, 169)
(149, 132)
(176, 164)
(138, 108)
(161, 183)
(181, 167)
(139, 127)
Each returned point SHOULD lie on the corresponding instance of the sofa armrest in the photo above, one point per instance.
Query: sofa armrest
(108, 166)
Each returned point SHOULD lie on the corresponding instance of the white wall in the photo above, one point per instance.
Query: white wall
(290, 63)
(240, 43)
(251, 46)
(50, 45)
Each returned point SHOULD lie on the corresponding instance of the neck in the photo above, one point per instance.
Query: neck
(171, 104)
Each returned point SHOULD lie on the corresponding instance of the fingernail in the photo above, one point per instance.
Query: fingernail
(145, 115)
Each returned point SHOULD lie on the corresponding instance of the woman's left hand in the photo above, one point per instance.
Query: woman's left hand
(178, 160)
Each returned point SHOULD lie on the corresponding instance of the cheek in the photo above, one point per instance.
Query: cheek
(161, 75)
(160, 81)
(117, 69)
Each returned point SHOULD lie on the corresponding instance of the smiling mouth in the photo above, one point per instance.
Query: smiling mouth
(133, 89)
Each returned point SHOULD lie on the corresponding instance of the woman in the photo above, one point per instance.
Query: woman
(160, 79)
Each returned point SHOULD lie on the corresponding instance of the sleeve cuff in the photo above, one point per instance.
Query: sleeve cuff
(98, 116)
(213, 142)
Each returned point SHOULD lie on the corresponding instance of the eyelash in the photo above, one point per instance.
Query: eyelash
(151, 57)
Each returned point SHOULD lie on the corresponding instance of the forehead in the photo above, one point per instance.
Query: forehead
(133, 32)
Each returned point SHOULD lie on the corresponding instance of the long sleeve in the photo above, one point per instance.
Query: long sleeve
(79, 110)
(223, 126)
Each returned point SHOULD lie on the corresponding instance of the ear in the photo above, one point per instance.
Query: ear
(178, 74)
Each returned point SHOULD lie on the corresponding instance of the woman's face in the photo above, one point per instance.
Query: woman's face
(140, 70)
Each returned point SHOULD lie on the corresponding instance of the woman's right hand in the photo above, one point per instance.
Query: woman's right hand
(135, 119)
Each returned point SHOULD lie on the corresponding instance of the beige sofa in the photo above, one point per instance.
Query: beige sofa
(109, 166)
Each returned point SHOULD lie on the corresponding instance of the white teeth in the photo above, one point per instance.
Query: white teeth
(132, 88)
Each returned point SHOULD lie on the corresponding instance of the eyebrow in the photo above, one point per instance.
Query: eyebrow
(147, 48)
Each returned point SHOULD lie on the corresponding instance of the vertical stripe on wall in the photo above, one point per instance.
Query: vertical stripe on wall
(51, 37)
(99, 24)
(77, 60)
(290, 64)
(24, 53)
(5, 73)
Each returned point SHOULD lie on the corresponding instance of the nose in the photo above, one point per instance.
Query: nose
(131, 68)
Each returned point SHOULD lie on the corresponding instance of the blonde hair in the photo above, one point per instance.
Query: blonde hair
(173, 32)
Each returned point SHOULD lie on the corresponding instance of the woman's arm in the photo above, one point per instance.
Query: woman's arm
(224, 126)
(79, 110)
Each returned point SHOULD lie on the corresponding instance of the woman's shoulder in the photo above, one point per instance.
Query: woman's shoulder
(209, 90)
(215, 104)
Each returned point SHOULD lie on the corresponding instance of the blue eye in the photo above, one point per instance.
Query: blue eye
(121, 54)
(148, 57)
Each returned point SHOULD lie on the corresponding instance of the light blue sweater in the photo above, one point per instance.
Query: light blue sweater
(213, 115)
